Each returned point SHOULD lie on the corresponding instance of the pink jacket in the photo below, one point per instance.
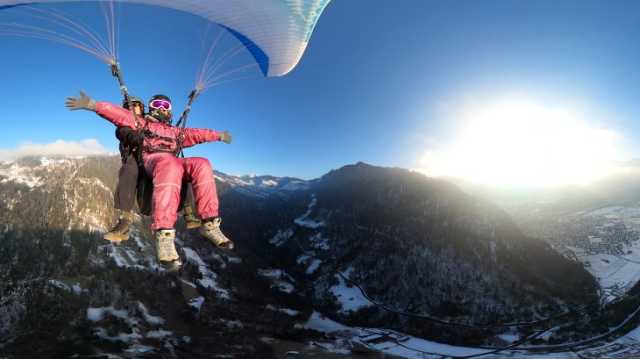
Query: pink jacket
(158, 137)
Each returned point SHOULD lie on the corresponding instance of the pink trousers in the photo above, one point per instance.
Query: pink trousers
(168, 172)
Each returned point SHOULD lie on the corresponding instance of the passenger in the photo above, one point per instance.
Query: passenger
(160, 146)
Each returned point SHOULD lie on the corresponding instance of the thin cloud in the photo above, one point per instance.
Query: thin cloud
(87, 147)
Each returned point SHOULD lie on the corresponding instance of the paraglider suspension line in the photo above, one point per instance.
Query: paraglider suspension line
(182, 122)
(117, 73)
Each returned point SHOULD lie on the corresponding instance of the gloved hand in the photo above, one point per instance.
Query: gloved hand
(226, 137)
(83, 102)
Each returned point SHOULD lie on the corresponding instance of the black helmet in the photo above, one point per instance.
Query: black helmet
(133, 99)
(160, 101)
(160, 97)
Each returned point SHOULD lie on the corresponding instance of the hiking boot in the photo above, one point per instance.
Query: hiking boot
(211, 230)
(120, 232)
(165, 246)
(190, 219)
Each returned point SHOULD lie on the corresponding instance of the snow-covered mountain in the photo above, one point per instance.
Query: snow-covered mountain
(58, 193)
(66, 292)
(423, 247)
(412, 244)
(262, 186)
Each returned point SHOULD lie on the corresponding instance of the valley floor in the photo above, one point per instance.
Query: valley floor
(400, 345)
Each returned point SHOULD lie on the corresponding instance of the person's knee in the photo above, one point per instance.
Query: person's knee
(202, 163)
(168, 169)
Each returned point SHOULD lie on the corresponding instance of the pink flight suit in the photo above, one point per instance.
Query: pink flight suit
(165, 168)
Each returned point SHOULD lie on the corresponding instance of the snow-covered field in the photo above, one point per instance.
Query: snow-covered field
(616, 273)
(406, 346)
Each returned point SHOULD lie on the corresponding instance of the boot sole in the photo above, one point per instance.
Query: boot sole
(115, 237)
(193, 225)
(225, 246)
(172, 266)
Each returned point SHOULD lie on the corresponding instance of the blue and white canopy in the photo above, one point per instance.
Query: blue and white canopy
(276, 32)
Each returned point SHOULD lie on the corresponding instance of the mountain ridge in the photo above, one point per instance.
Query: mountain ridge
(412, 243)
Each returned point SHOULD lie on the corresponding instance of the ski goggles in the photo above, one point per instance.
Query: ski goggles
(158, 104)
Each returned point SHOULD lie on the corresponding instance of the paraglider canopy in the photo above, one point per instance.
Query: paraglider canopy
(275, 32)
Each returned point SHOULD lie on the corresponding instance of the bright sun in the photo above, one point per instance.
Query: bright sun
(520, 143)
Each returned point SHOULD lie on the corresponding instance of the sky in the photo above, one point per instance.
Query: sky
(391, 83)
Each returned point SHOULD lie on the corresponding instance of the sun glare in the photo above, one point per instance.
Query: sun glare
(522, 144)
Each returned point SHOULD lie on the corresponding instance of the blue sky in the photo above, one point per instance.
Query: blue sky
(380, 81)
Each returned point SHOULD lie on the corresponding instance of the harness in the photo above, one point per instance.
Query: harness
(161, 147)
(125, 151)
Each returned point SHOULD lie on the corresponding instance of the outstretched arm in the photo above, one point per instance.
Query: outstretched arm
(194, 136)
(112, 113)
(116, 114)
